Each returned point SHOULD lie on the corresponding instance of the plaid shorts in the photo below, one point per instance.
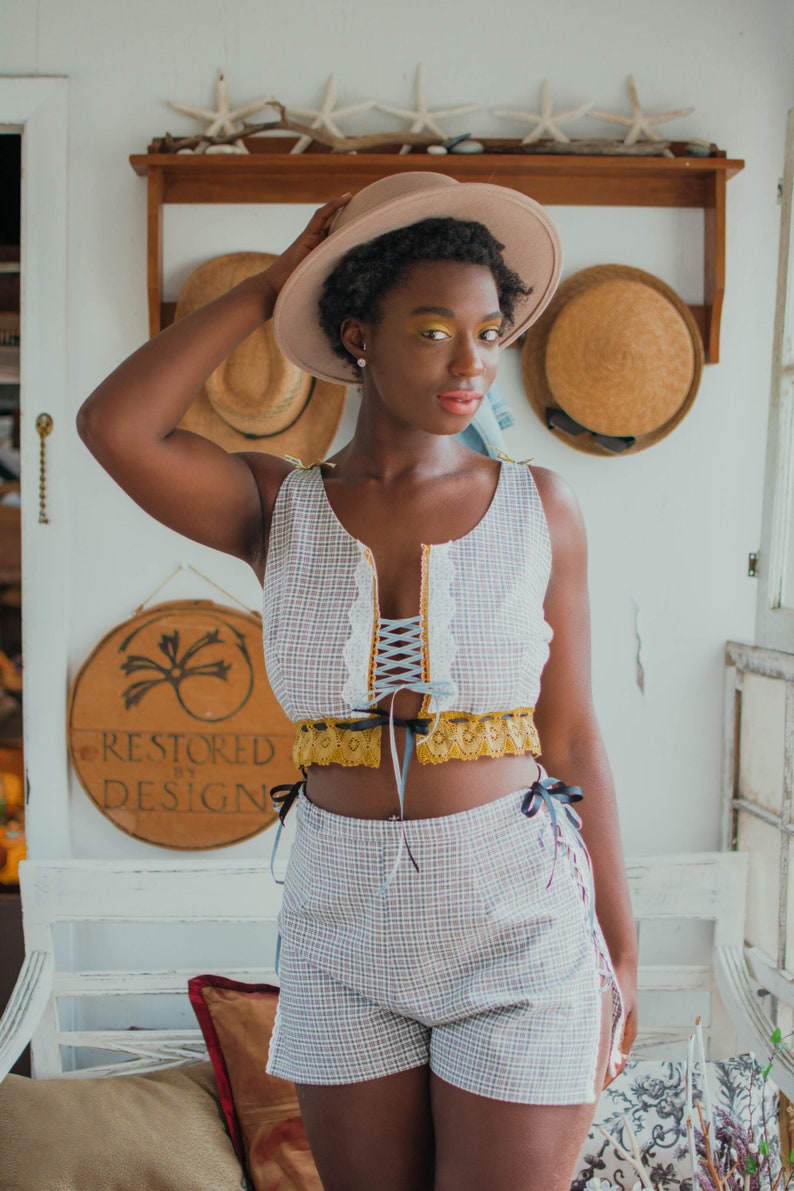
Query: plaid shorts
(487, 963)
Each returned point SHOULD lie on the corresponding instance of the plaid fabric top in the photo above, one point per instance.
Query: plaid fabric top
(484, 634)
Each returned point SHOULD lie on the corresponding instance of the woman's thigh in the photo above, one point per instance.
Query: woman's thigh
(492, 1145)
(377, 1134)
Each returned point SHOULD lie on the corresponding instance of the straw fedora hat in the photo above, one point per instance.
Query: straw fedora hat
(257, 400)
(532, 250)
(616, 363)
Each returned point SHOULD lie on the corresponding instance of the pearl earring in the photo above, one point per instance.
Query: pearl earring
(361, 362)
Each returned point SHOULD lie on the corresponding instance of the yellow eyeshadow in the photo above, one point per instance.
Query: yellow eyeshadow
(422, 327)
(433, 327)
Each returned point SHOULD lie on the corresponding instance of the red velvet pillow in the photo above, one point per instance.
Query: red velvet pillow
(261, 1110)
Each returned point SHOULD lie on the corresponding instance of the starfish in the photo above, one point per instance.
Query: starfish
(420, 116)
(326, 116)
(224, 118)
(546, 123)
(638, 124)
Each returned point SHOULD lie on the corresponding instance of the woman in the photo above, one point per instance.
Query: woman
(453, 996)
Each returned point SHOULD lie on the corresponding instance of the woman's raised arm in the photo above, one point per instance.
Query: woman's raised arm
(129, 423)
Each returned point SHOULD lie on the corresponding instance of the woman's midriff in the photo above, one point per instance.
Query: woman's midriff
(365, 793)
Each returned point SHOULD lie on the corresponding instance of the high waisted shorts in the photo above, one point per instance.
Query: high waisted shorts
(487, 963)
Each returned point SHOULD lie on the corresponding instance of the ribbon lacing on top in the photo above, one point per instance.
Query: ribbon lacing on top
(399, 656)
(399, 666)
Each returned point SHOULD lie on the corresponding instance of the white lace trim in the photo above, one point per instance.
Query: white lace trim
(440, 614)
(358, 647)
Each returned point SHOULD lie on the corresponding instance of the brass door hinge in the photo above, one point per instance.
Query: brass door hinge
(752, 565)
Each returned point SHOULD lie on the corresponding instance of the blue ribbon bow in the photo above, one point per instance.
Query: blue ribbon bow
(551, 793)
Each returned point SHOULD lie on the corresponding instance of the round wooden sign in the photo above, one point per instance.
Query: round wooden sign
(174, 731)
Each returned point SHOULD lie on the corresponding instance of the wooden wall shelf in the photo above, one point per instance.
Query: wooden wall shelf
(270, 174)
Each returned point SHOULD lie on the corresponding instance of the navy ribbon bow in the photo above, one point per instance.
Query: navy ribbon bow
(382, 719)
(553, 793)
(283, 798)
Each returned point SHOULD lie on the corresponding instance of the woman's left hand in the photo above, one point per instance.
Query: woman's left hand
(626, 976)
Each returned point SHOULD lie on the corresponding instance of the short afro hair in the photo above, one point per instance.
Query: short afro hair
(354, 289)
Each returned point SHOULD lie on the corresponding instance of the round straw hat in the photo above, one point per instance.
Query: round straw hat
(620, 354)
(532, 249)
(257, 400)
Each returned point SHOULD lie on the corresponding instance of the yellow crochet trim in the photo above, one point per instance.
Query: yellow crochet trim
(465, 737)
(457, 735)
(327, 742)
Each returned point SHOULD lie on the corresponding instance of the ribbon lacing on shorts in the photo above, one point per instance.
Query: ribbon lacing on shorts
(282, 798)
(547, 792)
(553, 794)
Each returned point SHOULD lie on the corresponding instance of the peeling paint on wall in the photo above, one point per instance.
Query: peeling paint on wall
(640, 669)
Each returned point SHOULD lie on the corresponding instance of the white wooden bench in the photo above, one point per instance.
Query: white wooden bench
(133, 1015)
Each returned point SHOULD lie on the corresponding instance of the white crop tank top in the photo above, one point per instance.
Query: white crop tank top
(484, 637)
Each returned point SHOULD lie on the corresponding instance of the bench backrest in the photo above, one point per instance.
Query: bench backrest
(153, 925)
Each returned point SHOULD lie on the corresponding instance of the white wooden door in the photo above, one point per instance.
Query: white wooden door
(38, 107)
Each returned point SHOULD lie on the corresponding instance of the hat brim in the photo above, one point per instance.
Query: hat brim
(316, 419)
(533, 359)
(532, 249)
(308, 437)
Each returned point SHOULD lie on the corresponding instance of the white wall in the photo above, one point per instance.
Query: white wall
(670, 528)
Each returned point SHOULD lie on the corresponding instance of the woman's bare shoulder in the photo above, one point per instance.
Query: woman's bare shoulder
(555, 492)
(561, 507)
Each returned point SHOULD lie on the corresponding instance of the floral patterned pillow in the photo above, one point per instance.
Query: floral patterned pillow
(651, 1096)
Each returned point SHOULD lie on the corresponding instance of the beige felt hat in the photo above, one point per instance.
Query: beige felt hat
(532, 249)
(257, 400)
(616, 362)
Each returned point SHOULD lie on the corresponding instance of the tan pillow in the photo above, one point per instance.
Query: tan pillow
(157, 1132)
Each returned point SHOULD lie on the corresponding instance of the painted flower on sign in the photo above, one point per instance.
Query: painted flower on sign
(206, 658)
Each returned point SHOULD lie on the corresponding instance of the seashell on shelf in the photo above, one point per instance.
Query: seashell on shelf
(468, 147)
(225, 149)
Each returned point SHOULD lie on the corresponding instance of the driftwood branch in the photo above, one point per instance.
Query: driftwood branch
(341, 144)
(600, 148)
(337, 144)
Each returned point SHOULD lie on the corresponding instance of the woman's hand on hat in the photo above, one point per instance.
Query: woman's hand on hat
(310, 238)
